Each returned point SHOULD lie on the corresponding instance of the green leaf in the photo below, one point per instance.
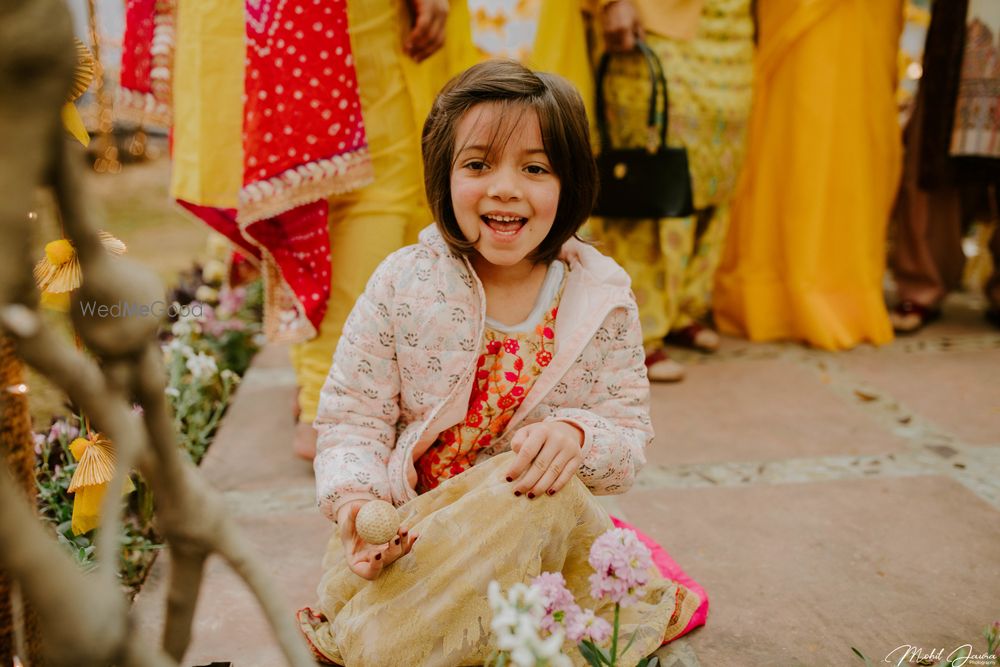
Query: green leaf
(629, 645)
(593, 654)
(651, 661)
(864, 657)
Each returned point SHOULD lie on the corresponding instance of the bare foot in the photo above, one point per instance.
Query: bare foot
(304, 444)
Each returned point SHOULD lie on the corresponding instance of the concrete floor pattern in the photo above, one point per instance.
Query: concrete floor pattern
(824, 500)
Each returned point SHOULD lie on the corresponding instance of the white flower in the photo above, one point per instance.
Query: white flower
(202, 365)
(206, 294)
(516, 623)
(186, 325)
(172, 391)
(214, 272)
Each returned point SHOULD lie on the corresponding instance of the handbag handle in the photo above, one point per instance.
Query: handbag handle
(656, 76)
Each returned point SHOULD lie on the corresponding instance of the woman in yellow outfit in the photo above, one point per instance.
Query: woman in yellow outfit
(543, 35)
(396, 92)
(806, 249)
(706, 49)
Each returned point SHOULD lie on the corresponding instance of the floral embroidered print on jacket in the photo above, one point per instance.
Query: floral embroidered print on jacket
(507, 367)
(405, 368)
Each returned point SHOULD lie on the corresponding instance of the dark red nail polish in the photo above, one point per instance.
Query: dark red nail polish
(378, 556)
(531, 496)
(396, 541)
(517, 493)
(510, 479)
(551, 492)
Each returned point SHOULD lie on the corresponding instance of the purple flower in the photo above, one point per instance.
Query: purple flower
(621, 567)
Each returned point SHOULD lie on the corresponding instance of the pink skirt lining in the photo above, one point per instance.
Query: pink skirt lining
(669, 568)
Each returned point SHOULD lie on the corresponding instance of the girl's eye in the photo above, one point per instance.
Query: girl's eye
(475, 165)
(536, 169)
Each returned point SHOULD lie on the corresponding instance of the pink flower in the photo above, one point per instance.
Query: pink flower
(511, 346)
(559, 603)
(586, 625)
(621, 567)
(231, 300)
(561, 610)
(62, 429)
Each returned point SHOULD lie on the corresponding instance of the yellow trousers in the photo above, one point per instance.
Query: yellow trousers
(368, 224)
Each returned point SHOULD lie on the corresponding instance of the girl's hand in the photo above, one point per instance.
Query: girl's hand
(368, 560)
(548, 455)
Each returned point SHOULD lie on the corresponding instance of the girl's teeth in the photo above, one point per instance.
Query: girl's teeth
(505, 225)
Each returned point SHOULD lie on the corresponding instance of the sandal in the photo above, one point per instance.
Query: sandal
(695, 336)
(661, 368)
(910, 317)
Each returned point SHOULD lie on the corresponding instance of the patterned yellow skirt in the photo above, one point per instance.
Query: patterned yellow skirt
(672, 261)
(430, 607)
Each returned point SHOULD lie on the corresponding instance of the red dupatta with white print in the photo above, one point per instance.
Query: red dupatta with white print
(147, 59)
(303, 141)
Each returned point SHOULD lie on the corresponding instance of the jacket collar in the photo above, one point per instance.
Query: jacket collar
(594, 270)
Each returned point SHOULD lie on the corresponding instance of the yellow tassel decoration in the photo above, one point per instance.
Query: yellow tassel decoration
(96, 467)
(57, 302)
(59, 271)
(59, 252)
(83, 76)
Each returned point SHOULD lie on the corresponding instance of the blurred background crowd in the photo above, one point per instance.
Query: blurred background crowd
(842, 155)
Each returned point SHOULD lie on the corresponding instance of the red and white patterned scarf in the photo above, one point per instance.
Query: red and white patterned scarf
(147, 60)
(303, 141)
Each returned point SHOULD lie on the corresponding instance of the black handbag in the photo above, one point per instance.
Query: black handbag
(648, 182)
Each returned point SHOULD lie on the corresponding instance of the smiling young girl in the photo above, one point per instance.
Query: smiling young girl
(489, 382)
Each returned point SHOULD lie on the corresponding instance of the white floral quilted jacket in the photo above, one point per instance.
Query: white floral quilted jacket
(404, 370)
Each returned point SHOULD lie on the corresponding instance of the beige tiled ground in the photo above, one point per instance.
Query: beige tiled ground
(823, 500)
(798, 573)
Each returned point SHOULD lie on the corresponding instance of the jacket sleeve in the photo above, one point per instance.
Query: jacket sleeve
(615, 418)
(359, 402)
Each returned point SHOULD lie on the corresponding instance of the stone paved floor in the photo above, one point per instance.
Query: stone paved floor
(823, 500)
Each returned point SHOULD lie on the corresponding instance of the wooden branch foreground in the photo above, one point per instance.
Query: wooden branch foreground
(83, 619)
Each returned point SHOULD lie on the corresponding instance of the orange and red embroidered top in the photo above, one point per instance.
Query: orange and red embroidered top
(508, 365)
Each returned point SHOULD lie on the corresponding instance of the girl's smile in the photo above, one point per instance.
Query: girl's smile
(504, 192)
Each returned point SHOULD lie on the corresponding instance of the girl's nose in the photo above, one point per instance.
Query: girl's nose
(504, 186)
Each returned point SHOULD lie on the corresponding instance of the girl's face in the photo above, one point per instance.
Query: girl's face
(505, 202)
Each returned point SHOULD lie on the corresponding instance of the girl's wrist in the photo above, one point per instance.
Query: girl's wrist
(575, 430)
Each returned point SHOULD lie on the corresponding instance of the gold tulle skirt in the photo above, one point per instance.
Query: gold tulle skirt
(430, 609)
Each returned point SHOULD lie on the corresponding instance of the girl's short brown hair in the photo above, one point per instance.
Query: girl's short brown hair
(565, 138)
